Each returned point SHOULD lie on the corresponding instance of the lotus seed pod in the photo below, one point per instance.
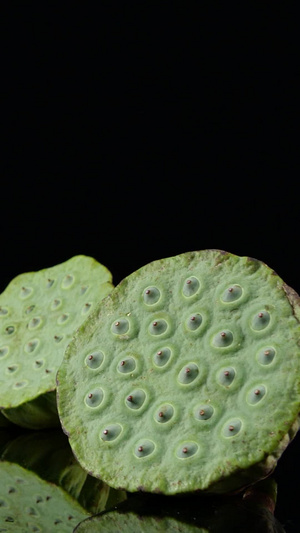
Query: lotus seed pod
(29, 503)
(39, 311)
(211, 396)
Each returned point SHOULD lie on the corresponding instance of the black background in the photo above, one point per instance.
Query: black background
(133, 132)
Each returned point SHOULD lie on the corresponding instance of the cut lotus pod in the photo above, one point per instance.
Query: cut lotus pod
(48, 454)
(39, 311)
(196, 514)
(211, 396)
(29, 503)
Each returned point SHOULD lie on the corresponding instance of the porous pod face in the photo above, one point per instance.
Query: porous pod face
(185, 376)
(44, 506)
(39, 311)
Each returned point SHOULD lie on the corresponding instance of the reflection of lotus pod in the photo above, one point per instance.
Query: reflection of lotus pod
(39, 312)
(48, 454)
(211, 396)
(197, 514)
(29, 503)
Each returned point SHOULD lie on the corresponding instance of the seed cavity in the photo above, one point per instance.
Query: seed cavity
(188, 374)
(20, 384)
(135, 399)
(63, 318)
(4, 350)
(261, 320)
(120, 326)
(94, 398)
(162, 357)
(49, 283)
(56, 304)
(151, 295)
(83, 289)
(159, 326)
(86, 308)
(266, 356)
(31, 346)
(203, 412)
(164, 413)
(232, 294)
(194, 322)
(11, 369)
(3, 311)
(187, 450)
(144, 448)
(34, 323)
(58, 338)
(127, 365)
(232, 428)
(68, 281)
(256, 394)
(29, 309)
(111, 432)
(9, 330)
(25, 292)
(94, 360)
(223, 339)
(226, 376)
(191, 286)
(38, 364)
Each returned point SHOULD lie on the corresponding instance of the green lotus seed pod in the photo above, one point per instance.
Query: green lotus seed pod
(211, 396)
(29, 503)
(39, 311)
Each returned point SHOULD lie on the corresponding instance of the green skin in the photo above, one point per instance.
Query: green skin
(151, 514)
(39, 312)
(186, 377)
(28, 502)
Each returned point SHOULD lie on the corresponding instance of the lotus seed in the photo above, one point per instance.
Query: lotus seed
(120, 327)
(158, 327)
(162, 357)
(136, 399)
(191, 287)
(188, 374)
(151, 295)
(223, 339)
(194, 322)
(266, 356)
(261, 320)
(232, 294)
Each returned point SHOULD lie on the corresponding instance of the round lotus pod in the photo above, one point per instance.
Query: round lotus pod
(39, 312)
(29, 503)
(186, 377)
(197, 514)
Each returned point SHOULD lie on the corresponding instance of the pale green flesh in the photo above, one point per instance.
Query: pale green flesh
(39, 311)
(130, 522)
(210, 428)
(30, 504)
